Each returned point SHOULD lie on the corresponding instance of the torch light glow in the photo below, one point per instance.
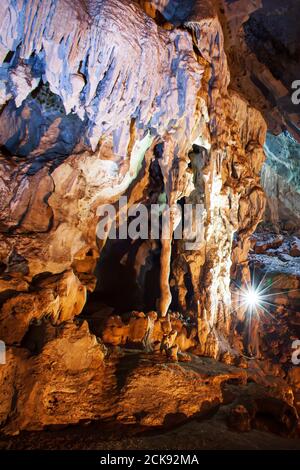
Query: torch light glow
(253, 304)
(252, 298)
(256, 297)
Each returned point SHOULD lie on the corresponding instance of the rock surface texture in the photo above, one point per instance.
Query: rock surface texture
(262, 43)
(110, 98)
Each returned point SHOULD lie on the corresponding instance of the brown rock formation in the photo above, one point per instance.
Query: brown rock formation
(70, 383)
(94, 108)
(262, 41)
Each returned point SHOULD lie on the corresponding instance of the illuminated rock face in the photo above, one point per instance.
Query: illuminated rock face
(262, 39)
(262, 44)
(102, 100)
(281, 181)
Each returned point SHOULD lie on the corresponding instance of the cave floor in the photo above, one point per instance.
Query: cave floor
(204, 430)
(207, 434)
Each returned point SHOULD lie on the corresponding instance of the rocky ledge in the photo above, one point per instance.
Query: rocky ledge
(84, 383)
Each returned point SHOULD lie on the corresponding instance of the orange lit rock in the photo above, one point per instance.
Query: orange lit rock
(59, 297)
(140, 99)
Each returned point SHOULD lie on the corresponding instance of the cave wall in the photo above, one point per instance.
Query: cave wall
(86, 98)
(262, 44)
(262, 41)
(280, 179)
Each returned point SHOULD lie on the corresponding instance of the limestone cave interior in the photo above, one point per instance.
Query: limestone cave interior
(149, 342)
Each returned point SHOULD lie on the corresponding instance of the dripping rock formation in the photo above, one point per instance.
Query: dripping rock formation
(162, 102)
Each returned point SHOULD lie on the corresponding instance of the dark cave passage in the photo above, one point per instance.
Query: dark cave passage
(124, 284)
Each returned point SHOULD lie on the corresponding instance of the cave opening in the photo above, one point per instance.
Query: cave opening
(128, 270)
(122, 282)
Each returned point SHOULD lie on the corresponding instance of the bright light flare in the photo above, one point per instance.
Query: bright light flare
(252, 298)
(255, 299)
(253, 304)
